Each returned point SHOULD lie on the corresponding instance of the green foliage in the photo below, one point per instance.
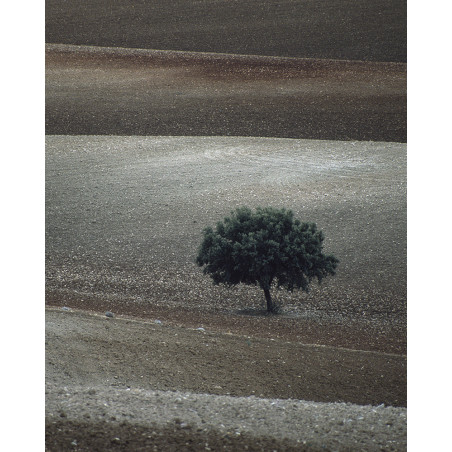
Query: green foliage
(262, 247)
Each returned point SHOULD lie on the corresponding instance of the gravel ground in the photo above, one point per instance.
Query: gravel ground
(124, 217)
(181, 364)
(121, 384)
(235, 421)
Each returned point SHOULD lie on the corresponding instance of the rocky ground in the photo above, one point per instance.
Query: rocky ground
(124, 218)
(294, 104)
(119, 383)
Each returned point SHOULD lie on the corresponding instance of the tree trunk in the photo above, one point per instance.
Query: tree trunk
(268, 298)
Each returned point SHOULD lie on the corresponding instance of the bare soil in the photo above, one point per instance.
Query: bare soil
(371, 30)
(126, 384)
(149, 141)
(110, 91)
(124, 218)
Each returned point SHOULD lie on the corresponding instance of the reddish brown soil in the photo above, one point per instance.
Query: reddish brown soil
(352, 335)
(98, 91)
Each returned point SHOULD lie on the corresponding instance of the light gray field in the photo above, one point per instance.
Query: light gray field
(124, 217)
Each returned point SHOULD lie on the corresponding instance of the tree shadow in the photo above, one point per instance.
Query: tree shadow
(256, 312)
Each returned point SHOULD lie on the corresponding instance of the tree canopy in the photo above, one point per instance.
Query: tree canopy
(263, 247)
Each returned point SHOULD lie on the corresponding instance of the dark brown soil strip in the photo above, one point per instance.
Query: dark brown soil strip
(85, 436)
(353, 335)
(373, 30)
(93, 91)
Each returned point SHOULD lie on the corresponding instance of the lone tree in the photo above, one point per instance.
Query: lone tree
(262, 247)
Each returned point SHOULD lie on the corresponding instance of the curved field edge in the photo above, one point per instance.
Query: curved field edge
(341, 29)
(118, 352)
(145, 418)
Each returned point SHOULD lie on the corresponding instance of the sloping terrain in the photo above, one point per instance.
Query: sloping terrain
(295, 104)
(125, 216)
(109, 91)
(123, 221)
(368, 30)
(122, 384)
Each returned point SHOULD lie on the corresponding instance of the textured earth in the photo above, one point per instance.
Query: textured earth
(368, 30)
(124, 219)
(125, 215)
(117, 383)
(295, 104)
(110, 91)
